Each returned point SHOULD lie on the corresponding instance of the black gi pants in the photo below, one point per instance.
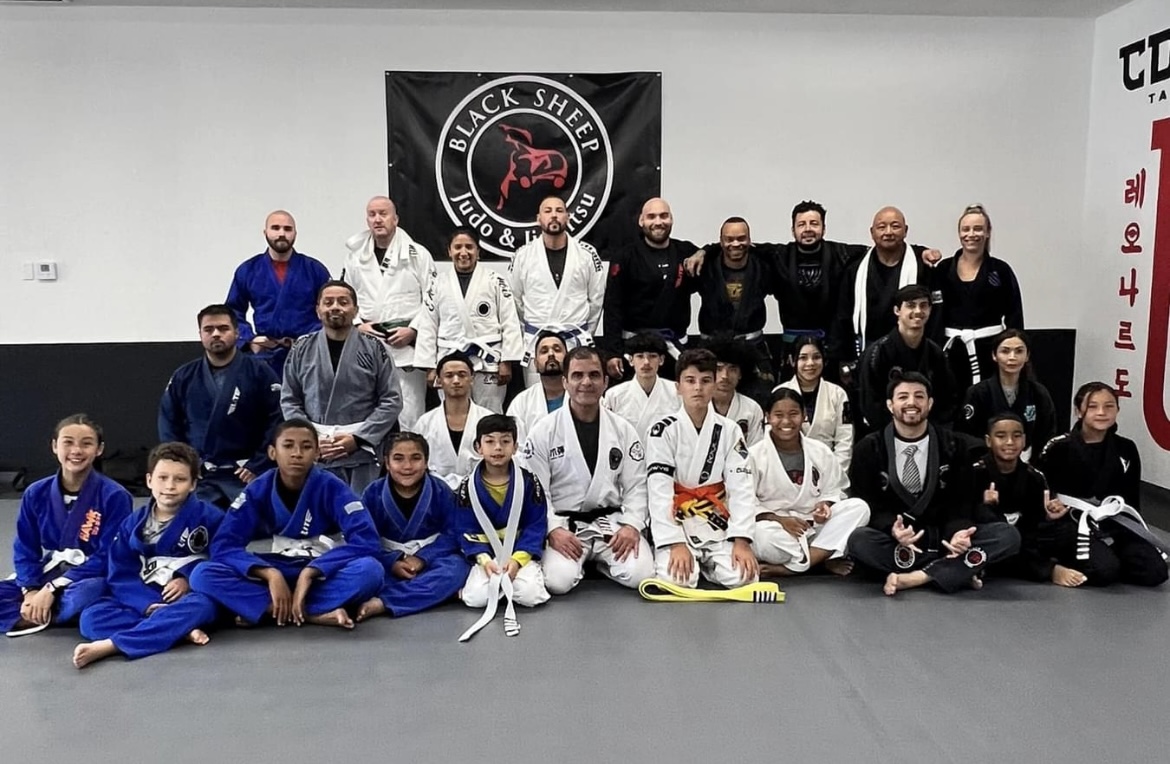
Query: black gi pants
(991, 543)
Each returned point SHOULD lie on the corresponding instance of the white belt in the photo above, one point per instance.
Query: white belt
(160, 570)
(410, 547)
(1110, 506)
(290, 547)
(333, 430)
(71, 557)
(502, 549)
(968, 337)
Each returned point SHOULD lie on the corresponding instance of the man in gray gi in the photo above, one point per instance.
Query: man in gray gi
(344, 382)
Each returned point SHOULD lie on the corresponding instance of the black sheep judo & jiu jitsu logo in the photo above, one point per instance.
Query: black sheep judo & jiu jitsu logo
(512, 142)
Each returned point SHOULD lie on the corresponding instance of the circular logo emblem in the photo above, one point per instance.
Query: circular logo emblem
(974, 557)
(510, 143)
(198, 540)
(483, 308)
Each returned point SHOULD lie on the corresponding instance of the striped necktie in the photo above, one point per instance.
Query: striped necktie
(911, 477)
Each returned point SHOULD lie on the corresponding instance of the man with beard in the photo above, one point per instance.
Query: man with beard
(538, 401)
(919, 483)
(393, 277)
(225, 405)
(280, 285)
(865, 309)
(558, 284)
(733, 287)
(345, 383)
(648, 290)
(809, 272)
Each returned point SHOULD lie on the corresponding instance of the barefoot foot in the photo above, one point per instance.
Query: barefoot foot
(88, 652)
(370, 608)
(976, 583)
(198, 637)
(769, 570)
(890, 588)
(896, 582)
(839, 566)
(1062, 576)
(336, 617)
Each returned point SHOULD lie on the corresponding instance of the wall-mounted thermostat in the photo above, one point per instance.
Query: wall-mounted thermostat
(46, 270)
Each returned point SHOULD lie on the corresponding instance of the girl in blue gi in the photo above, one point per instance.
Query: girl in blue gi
(63, 527)
(275, 554)
(150, 606)
(413, 511)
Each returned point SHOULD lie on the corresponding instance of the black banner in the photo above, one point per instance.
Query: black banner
(482, 150)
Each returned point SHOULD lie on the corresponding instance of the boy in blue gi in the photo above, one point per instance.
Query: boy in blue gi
(502, 519)
(274, 554)
(414, 513)
(64, 525)
(150, 606)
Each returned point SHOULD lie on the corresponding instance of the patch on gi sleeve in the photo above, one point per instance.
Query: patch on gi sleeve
(238, 501)
(615, 458)
(636, 451)
(658, 468)
(659, 426)
(846, 413)
(354, 506)
(198, 540)
(741, 448)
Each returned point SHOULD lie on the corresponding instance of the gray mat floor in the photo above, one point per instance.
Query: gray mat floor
(838, 673)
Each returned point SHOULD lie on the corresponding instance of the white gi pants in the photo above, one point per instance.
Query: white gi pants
(776, 546)
(562, 574)
(487, 393)
(527, 589)
(713, 559)
(414, 396)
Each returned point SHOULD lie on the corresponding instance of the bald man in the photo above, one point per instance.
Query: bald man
(558, 284)
(393, 276)
(865, 310)
(280, 287)
(732, 287)
(647, 289)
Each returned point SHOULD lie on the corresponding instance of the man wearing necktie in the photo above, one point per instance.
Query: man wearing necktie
(925, 523)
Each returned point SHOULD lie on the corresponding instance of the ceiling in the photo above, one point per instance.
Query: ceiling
(1018, 8)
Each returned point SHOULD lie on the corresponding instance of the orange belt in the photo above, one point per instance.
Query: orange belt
(704, 500)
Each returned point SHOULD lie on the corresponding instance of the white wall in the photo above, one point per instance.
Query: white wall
(142, 147)
(1119, 146)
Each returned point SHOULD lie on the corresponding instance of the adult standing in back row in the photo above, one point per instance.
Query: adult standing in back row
(865, 311)
(280, 285)
(558, 283)
(393, 276)
(980, 298)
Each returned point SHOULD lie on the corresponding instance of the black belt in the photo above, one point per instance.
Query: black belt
(588, 516)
